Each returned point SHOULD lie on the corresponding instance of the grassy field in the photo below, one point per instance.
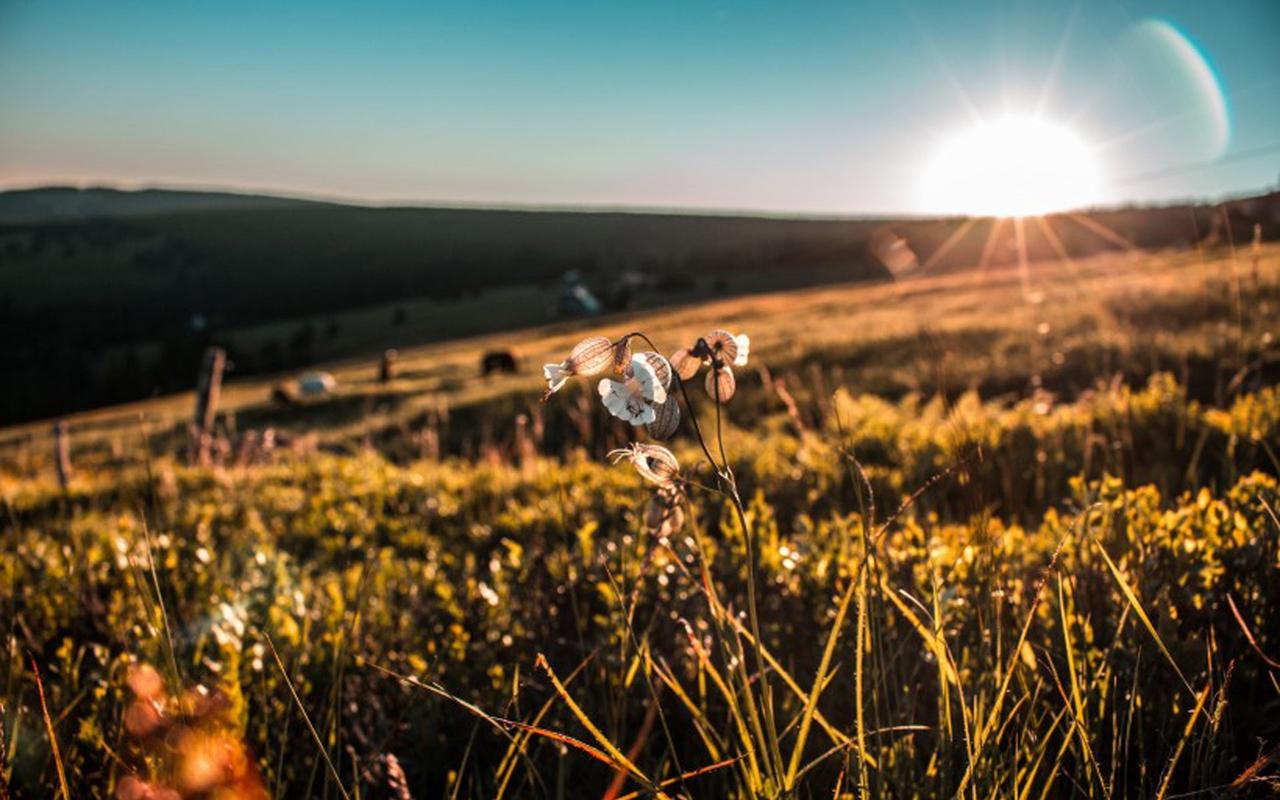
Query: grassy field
(108, 297)
(1008, 532)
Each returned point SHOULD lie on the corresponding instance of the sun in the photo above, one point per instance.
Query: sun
(1011, 167)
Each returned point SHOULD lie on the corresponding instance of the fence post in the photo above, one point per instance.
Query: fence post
(62, 453)
(525, 450)
(1255, 251)
(208, 387)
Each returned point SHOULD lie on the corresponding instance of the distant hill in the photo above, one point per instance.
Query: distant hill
(109, 296)
(63, 203)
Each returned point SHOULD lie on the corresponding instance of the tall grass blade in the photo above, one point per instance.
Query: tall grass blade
(1248, 634)
(48, 727)
(684, 776)
(992, 717)
(617, 755)
(1142, 615)
(819, 681)
(507, 766)
(324, 753)
(1182, 743)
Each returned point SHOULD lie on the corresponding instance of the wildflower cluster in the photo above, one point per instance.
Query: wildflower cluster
(638, 392)
(719, 350)
(640, 388)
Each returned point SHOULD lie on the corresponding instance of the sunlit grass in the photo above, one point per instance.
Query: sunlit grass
(1040, 590)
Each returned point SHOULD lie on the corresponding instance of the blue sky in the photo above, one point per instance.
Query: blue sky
(812, 107)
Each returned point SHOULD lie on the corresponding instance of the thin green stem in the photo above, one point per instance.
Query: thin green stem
(730, 490)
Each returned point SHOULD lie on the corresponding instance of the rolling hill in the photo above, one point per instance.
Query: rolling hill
(109, 296)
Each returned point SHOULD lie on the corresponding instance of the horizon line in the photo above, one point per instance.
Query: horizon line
(137, 187)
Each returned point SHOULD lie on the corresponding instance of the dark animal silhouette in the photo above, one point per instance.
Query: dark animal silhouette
(283, 398)
(500, 361)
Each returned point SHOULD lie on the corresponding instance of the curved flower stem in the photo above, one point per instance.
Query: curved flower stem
(730, 490)
(697, 429)
(710, 489)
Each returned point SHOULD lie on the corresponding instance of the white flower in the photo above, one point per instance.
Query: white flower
(556, 376)
(633, 398)
(744, 345)
(666, 412)
(591, 356)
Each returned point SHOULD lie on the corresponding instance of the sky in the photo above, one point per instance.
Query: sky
(793, 107)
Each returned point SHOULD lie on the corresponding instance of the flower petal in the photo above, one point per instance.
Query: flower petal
(721, 384)
(590, 356)
(644, 415)
(660, 366)
(666, 418)
(651, 389)
(685, 364)
(723, 345)
(744, 346)
(556, 376)
(626, 401)
(611, 396)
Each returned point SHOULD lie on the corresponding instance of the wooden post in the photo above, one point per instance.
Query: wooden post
(387, 367)
(1255, 250)
(62, 453)
(431, 439)
(208, 388)
(525, 451)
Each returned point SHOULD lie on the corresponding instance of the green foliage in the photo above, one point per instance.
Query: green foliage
(1000, 653)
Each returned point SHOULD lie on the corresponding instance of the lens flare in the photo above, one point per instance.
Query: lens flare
(1011, 167)
(1186, 110)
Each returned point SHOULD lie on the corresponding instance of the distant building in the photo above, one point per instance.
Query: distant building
(316, 384)
(576, 300)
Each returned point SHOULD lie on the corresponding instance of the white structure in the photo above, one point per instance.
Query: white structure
(316, 384)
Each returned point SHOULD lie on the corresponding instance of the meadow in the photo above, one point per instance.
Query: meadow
(109, 297)
(1002, 532)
